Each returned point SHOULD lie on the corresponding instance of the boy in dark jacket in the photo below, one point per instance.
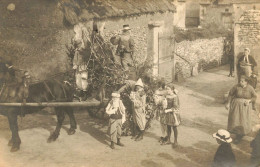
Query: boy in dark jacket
(224, 156)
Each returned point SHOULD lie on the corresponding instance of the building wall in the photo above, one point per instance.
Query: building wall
(145, 30)
(139, 30)
(247, 29)
(216, 14)
(33, 36)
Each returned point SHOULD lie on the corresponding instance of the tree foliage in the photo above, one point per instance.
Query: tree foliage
(102, 70)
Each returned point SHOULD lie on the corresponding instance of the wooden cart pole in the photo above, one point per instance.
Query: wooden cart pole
(54, 104)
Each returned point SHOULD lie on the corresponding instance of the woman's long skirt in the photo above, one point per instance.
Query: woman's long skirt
(239, 119)
(139, 118)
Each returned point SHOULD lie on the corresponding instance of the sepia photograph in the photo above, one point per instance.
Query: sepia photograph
(129, 83)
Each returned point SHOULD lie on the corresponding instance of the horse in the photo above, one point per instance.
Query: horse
(12, 91)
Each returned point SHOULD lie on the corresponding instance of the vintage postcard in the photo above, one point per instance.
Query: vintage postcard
(129, 83)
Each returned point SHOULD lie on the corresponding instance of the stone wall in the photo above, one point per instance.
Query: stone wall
(247, 29)
(202, 54)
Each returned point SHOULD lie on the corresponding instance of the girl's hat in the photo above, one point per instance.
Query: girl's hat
(115, 94)
(223, 135)
(139, 83)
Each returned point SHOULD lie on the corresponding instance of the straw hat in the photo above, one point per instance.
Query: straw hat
(223, 135)
(126, 27)
(115, 94)
(139, 83)
(247, 49)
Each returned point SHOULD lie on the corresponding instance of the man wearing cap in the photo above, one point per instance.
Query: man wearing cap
(138, 98)
(125, 47)
(116, 111)
(247, 66)
(224, 156)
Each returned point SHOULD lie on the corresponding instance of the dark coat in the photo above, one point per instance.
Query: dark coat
(224, 156)
(255, 156)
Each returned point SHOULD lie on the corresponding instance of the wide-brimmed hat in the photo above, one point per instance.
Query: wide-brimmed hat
(139, 83)
(126, 27)
(223, 135)
(247, 49)
(116, 94)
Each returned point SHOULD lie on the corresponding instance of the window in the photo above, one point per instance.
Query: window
(226, 10)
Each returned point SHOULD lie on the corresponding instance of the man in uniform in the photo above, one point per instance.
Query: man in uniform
(125, 49)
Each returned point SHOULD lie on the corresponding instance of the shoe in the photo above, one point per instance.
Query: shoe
(160, 140)
(112, 146)
(119, 143)
(140, 136)
(166, 142)
(175, 145)
(134, 137)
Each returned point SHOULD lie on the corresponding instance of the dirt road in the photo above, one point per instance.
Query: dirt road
(202, 112)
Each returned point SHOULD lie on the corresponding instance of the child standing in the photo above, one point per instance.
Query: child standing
(172, 119)
(224, 156)
(116, 111)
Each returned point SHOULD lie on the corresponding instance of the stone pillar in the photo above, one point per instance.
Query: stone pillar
(153, 45)
(180, 14)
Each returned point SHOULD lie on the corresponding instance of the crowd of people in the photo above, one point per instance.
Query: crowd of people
(167, 111)
(241, 103)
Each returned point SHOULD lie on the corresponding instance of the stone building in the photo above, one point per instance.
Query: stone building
(247, 27)
(218, 12)
(192, 13)
(34, 33)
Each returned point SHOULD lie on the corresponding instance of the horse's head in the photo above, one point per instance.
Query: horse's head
(4, 73)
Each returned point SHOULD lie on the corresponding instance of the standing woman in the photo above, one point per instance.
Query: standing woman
(138, 98)
(240, 100)
(172, 116)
